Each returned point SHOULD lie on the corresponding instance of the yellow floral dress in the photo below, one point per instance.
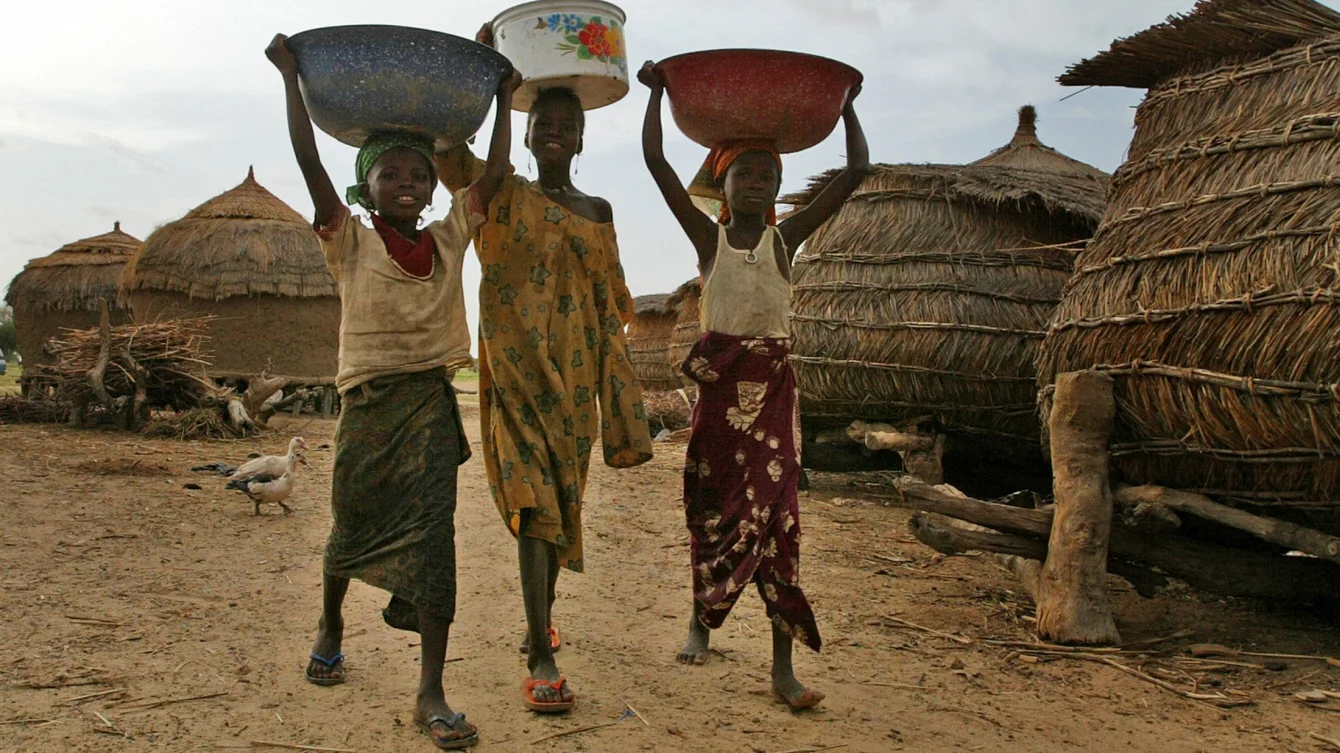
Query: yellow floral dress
(553, 361)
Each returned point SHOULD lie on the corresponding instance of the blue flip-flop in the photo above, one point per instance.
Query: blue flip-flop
(451, 721)
(329, 663)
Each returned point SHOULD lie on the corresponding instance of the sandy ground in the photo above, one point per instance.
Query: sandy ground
(124, 594)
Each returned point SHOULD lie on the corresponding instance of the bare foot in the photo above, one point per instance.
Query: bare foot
(796, 696)
(695, 648)
(432, 713)
(328, 640)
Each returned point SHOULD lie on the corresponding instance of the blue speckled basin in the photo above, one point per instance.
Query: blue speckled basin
(360, 79)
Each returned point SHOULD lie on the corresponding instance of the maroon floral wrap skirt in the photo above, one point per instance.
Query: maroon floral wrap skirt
(740, 481)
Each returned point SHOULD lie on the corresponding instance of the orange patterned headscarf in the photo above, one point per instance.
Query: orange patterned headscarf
(719, 160)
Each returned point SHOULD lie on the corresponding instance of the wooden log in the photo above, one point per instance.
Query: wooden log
(1286, 534)
(139, 378)
(1150, 516)
(259, 389)
(927, 465)
(272, 407)
(1209, 568)
(1020, 555)
(839, 437)
(919, 495)
(237, 415)
(885, 437)
(1028, 571)
(327, 401)
(947, 539)
(96, 376)
(1072, 604)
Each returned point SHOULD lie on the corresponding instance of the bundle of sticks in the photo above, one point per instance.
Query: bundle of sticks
(20, 410)
(168, 352)
(126, 369)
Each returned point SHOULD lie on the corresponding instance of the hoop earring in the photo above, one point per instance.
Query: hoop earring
(577, 164)
(528, 163)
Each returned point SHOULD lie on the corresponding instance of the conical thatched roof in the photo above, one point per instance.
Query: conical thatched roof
(1215, 32)
(652, 304)
(1025, 173)
(242, 242)
(1026, 151)
(76, 276)
(928, 294)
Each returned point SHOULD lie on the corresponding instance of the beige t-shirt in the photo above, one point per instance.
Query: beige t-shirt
(390, 321)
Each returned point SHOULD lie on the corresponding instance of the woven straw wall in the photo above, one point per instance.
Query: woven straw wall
(1209, 291)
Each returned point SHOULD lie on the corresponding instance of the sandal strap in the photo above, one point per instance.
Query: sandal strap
(556, 685)
(451, 720)
(331, 662)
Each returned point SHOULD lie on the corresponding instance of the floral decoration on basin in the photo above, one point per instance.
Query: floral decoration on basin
(592, 38)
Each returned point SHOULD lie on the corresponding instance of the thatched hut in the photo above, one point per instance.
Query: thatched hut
(688, 325)
(928, 295)
(66, 289)
(249, 259)
(1209, 290)
(649, 343)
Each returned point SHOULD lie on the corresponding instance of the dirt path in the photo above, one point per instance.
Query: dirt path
(134, 588)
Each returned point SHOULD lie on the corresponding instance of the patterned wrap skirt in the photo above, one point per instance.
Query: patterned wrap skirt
(393, 496)
(740, 477)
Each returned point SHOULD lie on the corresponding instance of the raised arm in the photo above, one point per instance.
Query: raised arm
(500, 147)
(324, 197)
(700, 230)
(802, 224)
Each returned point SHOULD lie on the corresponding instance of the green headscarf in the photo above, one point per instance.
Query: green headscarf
(377, 145)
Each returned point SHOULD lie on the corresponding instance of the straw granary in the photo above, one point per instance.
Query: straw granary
(66, 289)
(1209, 291)
(253, 262)
(928, 295)
(688, 325)
(649, 343)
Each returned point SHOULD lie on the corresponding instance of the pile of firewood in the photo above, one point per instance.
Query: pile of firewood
(122, 372)
(15, 409)
(126, 369)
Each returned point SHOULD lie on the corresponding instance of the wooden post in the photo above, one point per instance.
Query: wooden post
(327, 401)
(1072, 603)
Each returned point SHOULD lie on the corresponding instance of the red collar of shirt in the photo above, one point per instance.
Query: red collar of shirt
(414, 259)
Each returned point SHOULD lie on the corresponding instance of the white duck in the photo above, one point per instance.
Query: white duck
(273, 465)
(268, 487)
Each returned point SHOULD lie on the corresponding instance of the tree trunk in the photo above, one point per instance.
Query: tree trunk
(1073, 605)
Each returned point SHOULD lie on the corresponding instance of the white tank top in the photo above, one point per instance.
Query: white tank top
(745, 293)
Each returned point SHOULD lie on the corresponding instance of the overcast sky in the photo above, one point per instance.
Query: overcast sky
(142, 109)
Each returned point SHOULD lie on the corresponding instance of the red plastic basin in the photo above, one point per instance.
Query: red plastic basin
(789, 98)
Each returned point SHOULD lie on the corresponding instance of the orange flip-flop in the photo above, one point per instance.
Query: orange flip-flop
(555, 643)
(552, 707)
